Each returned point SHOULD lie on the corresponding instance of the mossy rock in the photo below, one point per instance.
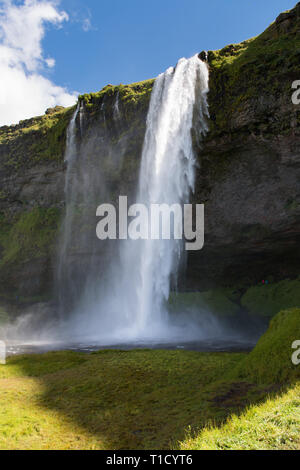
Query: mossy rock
(35, 140)
(220, 302)
(30, 236)
(268, 63)
(271, 359)
(133, 93)
(267, 300)
(3, 316)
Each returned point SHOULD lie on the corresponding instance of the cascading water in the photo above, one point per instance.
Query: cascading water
(132, 302)
(70, 156)
(116, 107)
(167, 176)
(116, 292)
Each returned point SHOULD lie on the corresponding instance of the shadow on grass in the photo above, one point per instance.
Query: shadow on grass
(141, 399)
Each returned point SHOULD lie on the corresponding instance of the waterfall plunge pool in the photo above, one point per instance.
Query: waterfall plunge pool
(207, 345)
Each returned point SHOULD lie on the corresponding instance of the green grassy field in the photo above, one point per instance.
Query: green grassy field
(147, 399)
(272, 425)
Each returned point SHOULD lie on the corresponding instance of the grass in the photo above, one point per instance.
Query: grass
(35, 140)
(148, 399)
(128, 94)
(273, 425)
(109, 400)
(270, 361)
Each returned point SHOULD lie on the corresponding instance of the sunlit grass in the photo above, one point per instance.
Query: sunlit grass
(109, 400)
(148, 399)
(121, 400)
(273, 425)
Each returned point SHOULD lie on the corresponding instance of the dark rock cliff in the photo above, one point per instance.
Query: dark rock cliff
(248, 175)
(250, 162)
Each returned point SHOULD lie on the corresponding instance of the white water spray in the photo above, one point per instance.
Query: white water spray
(117, 113)
(132, 304)
(105, 300)
(167, 175)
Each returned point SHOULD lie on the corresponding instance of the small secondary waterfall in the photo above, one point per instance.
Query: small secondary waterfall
(70, 193)
(70, 156)
(130, 300)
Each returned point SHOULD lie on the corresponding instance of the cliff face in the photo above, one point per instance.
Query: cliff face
(31, 200)
(248, 169)
(32, 175)
(250, 161)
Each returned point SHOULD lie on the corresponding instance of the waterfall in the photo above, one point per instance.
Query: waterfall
(116, 107)
(168, 172)
(69, 160)
(167, 175)
(129, 299)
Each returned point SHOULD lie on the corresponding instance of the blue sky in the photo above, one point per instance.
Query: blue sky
(51, 50)
(133, 40)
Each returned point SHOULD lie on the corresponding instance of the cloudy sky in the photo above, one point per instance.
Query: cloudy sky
(51, 50)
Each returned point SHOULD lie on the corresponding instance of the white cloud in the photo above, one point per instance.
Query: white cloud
(86, 25)
(83, 16)
(50, 62)
(24, 91)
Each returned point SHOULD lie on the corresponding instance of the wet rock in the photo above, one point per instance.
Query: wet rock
(203, 56)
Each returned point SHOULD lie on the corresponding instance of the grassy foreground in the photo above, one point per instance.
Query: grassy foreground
(147, 399)
(272, 425)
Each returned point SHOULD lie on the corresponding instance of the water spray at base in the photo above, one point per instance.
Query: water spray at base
(123, 295)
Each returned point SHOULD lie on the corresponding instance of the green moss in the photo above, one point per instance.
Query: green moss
(262, 301)
(220, 302)
(52, 145)
(268, 63)
(44, 137)
(271, 359)
(133, 101)
(267, 300)
(128, 94)
(3, 315)
(31, 236)
(34, 140)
